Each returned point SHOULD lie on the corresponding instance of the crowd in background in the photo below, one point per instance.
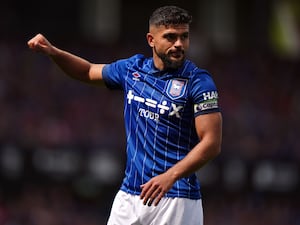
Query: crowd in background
(42, 108)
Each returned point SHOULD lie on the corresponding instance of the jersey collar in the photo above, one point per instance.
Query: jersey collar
(161, 73)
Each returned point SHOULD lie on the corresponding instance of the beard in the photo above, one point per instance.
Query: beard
(168, 62)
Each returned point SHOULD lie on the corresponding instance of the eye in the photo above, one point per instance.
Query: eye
(184, 36)
(170, 37)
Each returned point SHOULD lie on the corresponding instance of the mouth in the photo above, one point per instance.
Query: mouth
(177, 54)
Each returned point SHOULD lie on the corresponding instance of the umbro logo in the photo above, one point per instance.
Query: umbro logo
(136, 76)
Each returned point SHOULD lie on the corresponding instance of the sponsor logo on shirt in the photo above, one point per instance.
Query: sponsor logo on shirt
(161, 108)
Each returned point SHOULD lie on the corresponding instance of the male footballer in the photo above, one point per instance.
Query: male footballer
(172, 120)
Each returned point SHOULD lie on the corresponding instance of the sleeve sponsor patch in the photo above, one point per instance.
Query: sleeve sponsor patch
(210, 102)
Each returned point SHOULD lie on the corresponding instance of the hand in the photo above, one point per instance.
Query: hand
(41, 44)
(156, 188)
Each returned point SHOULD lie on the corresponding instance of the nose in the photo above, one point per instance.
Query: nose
(178, 43)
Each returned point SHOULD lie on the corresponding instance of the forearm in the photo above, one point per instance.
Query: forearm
(200, 155)
(72, 65)
(209, 130)
(157, 186)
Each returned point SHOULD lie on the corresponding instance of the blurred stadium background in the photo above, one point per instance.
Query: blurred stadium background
(62, 142)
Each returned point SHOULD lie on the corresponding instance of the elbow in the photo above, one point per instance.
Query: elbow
(217, 145)
(218, 150)
(215, 150)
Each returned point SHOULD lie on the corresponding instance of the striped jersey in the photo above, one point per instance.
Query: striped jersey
(159, 112)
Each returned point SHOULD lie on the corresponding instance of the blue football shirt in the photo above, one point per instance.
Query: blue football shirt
(159, 112)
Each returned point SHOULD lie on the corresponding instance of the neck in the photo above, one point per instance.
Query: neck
(158, 63)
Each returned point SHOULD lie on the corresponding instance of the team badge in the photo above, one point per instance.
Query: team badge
(176, 88)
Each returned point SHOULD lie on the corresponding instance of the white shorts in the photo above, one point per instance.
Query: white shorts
(129, 209)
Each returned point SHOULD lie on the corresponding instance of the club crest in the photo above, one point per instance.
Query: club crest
(176, 88)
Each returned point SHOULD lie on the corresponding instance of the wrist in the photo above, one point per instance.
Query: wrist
(174, 174)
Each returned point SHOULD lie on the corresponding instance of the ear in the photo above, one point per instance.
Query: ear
(150, 39)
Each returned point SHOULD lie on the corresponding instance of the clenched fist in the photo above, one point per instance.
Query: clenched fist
(41, 44)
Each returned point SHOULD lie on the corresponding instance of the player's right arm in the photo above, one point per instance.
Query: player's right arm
(74, 66)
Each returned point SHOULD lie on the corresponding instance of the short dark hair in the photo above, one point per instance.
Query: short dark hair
(170, 15)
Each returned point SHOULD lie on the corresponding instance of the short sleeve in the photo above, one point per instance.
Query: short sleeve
(204, 94)
(113, 74)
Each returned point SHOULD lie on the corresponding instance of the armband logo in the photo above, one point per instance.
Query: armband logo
(210, 102)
